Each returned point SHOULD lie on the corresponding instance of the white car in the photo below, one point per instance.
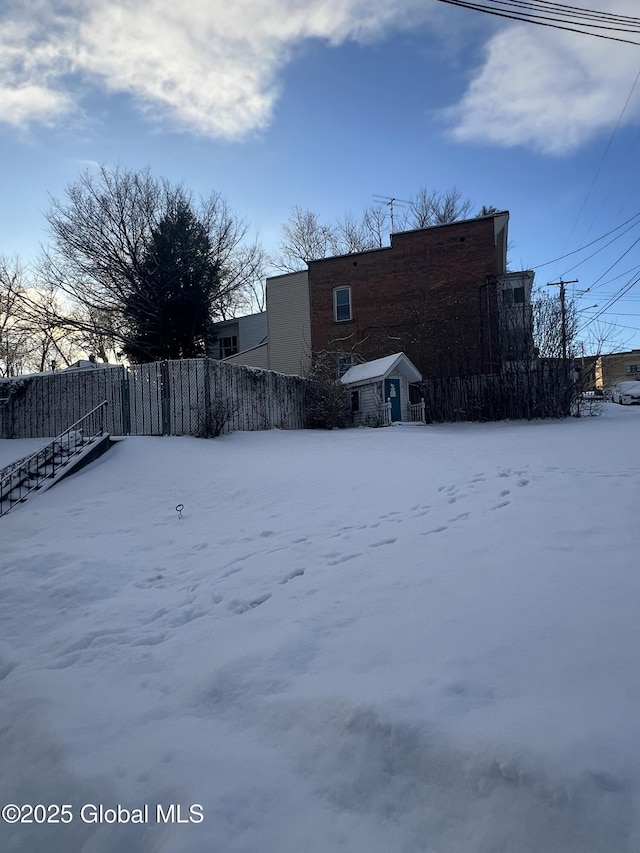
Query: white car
(626, 393)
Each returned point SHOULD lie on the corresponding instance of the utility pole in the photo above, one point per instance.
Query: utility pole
(563, 312)
(567, 390)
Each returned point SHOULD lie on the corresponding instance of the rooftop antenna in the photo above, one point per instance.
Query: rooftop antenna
(390, 201)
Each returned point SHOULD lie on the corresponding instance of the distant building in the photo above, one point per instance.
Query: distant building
(617, 367)
(230, 337)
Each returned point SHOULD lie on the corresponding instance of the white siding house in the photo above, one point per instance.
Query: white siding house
(380, 390)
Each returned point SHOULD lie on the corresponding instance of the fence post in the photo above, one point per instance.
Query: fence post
(165, 398)
(126, 402)
(206, 415)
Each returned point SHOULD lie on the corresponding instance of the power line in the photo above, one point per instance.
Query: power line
(611, 302)
(603, 158)
(593, 254)
(616, 262)
(519, 10)
(588, 245)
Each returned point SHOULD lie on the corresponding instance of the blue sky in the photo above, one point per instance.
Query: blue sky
(326, 103)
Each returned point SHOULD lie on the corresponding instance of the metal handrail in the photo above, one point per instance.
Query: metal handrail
(21, 478)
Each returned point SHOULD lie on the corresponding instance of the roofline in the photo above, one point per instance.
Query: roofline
(401, 233)
(286, 274)
(239, 317)
(400, 357)
(454, 222)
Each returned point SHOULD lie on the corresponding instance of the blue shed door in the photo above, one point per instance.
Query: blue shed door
(392, 392)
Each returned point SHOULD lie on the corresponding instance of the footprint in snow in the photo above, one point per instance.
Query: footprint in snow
(239, 607)
(343, 559)
(434, 530)
(460, 517)
(296, 573)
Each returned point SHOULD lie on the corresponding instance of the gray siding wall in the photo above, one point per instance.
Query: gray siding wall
(256, 357)
(289, 323)
(250, 330)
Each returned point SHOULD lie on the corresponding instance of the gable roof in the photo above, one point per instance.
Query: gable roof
(380, 368)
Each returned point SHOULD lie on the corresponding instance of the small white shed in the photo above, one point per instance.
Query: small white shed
(380, 390)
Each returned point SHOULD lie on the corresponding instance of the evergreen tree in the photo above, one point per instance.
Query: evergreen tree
(167, 309)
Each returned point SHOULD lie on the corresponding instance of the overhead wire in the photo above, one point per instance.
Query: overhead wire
(602, 159)
(591, 243)
(593, 254)
(521, 10)
(611, 302)
(585, 22)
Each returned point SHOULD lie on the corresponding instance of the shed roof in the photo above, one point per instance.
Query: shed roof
(380, 368)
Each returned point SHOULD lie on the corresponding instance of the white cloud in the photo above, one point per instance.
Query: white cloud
(548, 90)
(212, 66)
(208, 65)
(20, 104)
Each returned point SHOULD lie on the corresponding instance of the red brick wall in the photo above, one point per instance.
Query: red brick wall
(428, 295)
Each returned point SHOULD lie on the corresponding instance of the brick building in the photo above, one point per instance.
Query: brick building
(433, 294)
(441, 295)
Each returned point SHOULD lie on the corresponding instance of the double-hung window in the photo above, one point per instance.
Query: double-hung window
(342, 304)
(228, 346)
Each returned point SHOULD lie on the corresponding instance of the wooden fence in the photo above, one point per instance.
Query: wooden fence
(539, 391)
(187, 397)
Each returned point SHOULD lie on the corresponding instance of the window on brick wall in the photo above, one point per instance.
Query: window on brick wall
(342, 304)
(632, 369)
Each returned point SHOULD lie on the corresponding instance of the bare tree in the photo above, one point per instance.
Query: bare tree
(355, 235)
(32, 336)
(327, 397)
(101, 235)
(305, 238)
(430, 207)
(15, 338)
(239, 257)
(52, 344)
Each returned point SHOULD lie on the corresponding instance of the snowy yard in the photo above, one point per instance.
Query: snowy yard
(396, 640)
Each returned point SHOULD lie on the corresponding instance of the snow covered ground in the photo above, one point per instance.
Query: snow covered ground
(395, 640)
